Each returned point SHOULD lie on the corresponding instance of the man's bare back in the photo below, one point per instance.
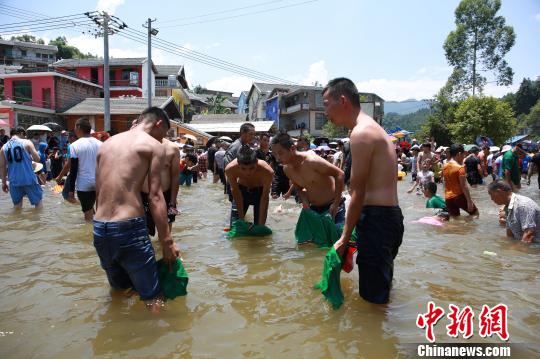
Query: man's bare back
(123, 165)
(374, 163)
(170, 167)
(310, 174)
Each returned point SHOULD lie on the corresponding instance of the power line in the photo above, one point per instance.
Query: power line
(44, 21)
(22, 10)
(44, 28)
(221, 12)
(241, 15)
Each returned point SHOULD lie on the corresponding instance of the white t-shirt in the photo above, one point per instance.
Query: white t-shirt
(490, 160)
(337, 157)
(424, 177)
(85, 149)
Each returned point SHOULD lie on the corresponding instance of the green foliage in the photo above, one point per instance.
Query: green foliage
(411, 122)
(533, 120)
(216, 105)
(486, 116)
(479, 43)
(198, 89)
(526, 96)
(332, 131)
(442, 114)
(66, 51)
(28, 38)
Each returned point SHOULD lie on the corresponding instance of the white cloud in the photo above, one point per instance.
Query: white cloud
(234, 84)
(317, 73)
(399, 90)
(537, 17)
(109, 5)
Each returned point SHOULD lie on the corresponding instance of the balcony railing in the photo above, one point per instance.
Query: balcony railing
(296, 108)
(166, 83)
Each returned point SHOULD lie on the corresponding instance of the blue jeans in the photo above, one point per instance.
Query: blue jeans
(127, 256)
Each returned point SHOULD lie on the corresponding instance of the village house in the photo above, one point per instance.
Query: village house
(27, 54)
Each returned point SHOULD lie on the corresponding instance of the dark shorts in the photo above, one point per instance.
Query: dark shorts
(127, 256)
(474, 178)
(150, 224)
(490, 170)
(339, 220)
(413, 176)
(250, 196)
(280, 188)
(87, 199)
(455, 204)
(380, 232)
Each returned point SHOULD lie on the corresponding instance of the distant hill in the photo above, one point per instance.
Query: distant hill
(410, 121)
(404, 107)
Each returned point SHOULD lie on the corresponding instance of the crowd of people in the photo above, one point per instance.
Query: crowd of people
(128, 185)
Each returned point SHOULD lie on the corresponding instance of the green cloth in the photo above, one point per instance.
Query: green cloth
(240, 228)
(315, 227)
(173, 283)
(510, 162)
(330, 284)
(435, 202)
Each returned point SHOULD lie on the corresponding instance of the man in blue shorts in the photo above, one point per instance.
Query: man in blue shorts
(373, 209)
(120, 233)
(16, 163)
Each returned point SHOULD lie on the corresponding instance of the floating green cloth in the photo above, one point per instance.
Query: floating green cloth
(315, 227)
(240, 228)
(173, 283)
(330, 284)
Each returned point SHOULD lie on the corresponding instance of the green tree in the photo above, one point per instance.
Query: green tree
(411, 121)
(332, 131)
(216, 105)
(485, 116)
(198, 89)
(533, 120)
(28, 38)
(442, 110)
(479, 44)
(66, 51)
(526, 96)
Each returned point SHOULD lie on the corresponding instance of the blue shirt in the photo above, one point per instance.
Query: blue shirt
(19, 164)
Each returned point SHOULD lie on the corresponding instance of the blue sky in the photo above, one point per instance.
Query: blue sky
(390, 47)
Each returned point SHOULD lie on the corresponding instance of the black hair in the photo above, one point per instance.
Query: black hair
(485, 148)
(475, 150)
(456, 149)
(431, 187)
(265, 134)
(155, 114)
(192, 158)
(17, 131)
(342, 86)
(247, 127)
(427, 144)
(246, 156)
(284, 140)
(499, 185)
(84, 125)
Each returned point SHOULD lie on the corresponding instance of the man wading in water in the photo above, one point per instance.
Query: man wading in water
(374, 206)
(120, 234)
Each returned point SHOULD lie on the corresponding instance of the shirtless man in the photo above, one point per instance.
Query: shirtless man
(250, 181)
(170, 178)
(319, 183)
(120, 234)
(373, 209)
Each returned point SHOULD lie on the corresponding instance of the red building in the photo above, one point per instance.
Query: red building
(34, 98)
(127, 76)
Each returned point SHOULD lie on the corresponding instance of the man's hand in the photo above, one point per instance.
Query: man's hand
(275, 196)
(58, 180)
(286, 196)
(470, 206)
(333, 210)
(170, 251)
(5, 187)
(341, 245)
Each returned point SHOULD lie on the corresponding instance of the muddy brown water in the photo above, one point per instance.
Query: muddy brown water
(253, 297)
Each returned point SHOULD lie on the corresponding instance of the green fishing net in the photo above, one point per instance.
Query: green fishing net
(330, 285)
(173, 283)
(241, 228)
(317, 228)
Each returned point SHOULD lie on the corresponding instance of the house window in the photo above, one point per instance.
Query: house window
(23, 52)
(22, 90)
(319, 99)
(320, 120)
(125, 74)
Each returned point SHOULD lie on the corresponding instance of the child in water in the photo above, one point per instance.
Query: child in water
(187, 166)
(434, 201)
(423, 177)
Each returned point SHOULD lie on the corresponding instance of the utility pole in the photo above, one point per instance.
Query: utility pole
(109, 25)
(106, 81)
(151, 32)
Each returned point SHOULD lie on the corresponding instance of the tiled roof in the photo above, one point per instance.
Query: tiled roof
(191, 128)
(232, 127)
(218, 118)
(119, 106)
(29, 45)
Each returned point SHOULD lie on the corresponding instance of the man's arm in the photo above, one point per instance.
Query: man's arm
(508, 178)
(175, 177)
(232, 179)
(465, 189)
(29, 146)
(158, 208)
(325, 168)
(528, 235)
(3, 170)
(265, 198)
(361, 153)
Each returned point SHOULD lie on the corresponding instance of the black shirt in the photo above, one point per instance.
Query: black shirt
(211, 156)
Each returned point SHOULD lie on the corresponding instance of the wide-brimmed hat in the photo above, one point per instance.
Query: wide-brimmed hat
(506, 148)
(37, 166)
